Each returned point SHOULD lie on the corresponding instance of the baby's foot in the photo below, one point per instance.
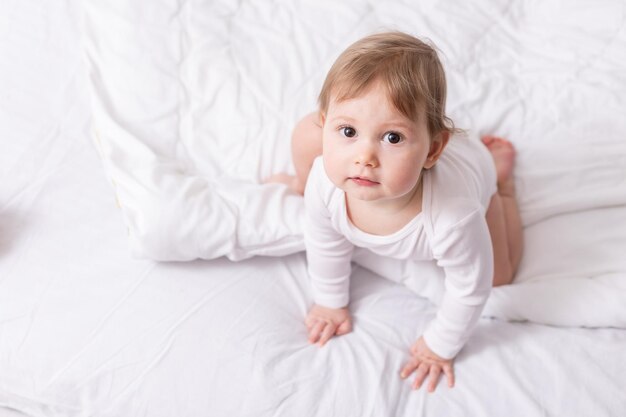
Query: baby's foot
(290, 181)
(503, 154)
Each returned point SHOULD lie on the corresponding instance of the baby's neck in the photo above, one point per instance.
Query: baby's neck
(384, 217)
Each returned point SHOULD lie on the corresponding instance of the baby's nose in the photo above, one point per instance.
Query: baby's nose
(367, 154)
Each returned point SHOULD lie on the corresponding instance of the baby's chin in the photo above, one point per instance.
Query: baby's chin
(363, 193)
(377, 194)
(362, 197)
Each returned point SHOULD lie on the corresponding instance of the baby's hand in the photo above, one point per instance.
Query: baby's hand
(323, 323)
(426, 362)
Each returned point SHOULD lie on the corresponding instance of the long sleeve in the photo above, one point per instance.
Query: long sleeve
(465, 253)
(328, 252)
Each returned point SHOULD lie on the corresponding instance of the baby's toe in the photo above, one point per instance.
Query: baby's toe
(503, 142)
(488, 140)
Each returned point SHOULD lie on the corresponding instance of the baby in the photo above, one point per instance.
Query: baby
(392, 187)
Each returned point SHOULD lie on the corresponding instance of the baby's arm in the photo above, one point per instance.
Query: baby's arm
(329, 255)
(464, 251)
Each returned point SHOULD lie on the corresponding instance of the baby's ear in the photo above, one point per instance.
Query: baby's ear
(437, 146)
(322, 118)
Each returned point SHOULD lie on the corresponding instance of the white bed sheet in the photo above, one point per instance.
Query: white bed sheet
(7, 412)
(87, 331)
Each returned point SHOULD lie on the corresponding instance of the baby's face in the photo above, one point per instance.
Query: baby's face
(371, 150)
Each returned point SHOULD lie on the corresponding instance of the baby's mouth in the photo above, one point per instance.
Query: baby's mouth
(363, 181)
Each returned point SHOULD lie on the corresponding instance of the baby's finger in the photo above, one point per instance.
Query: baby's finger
(435, 373)
(327, 333)
(310, 321)
(409, 368)
(447, 369)
(315, 331)
(344, 328)
(420, 375)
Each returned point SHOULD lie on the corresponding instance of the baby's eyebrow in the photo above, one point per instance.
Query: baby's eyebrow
(343, 118)
(393, 123)
(400, 123)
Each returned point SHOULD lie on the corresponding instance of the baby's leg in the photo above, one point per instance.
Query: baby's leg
(306, 145)
(503, 216)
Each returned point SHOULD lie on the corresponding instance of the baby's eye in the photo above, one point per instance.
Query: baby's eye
(392, 137)
(348, 132)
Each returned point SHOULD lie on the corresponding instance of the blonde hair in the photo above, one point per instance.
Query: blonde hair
(409, 68)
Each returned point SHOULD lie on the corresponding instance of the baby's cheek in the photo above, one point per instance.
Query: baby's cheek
(333, 168)
(405, 182)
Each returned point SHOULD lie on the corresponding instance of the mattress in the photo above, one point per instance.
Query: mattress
(101, 315)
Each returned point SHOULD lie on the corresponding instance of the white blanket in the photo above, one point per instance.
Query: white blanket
(194, 103)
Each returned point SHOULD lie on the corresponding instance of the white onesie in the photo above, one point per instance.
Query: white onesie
(449, 239)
